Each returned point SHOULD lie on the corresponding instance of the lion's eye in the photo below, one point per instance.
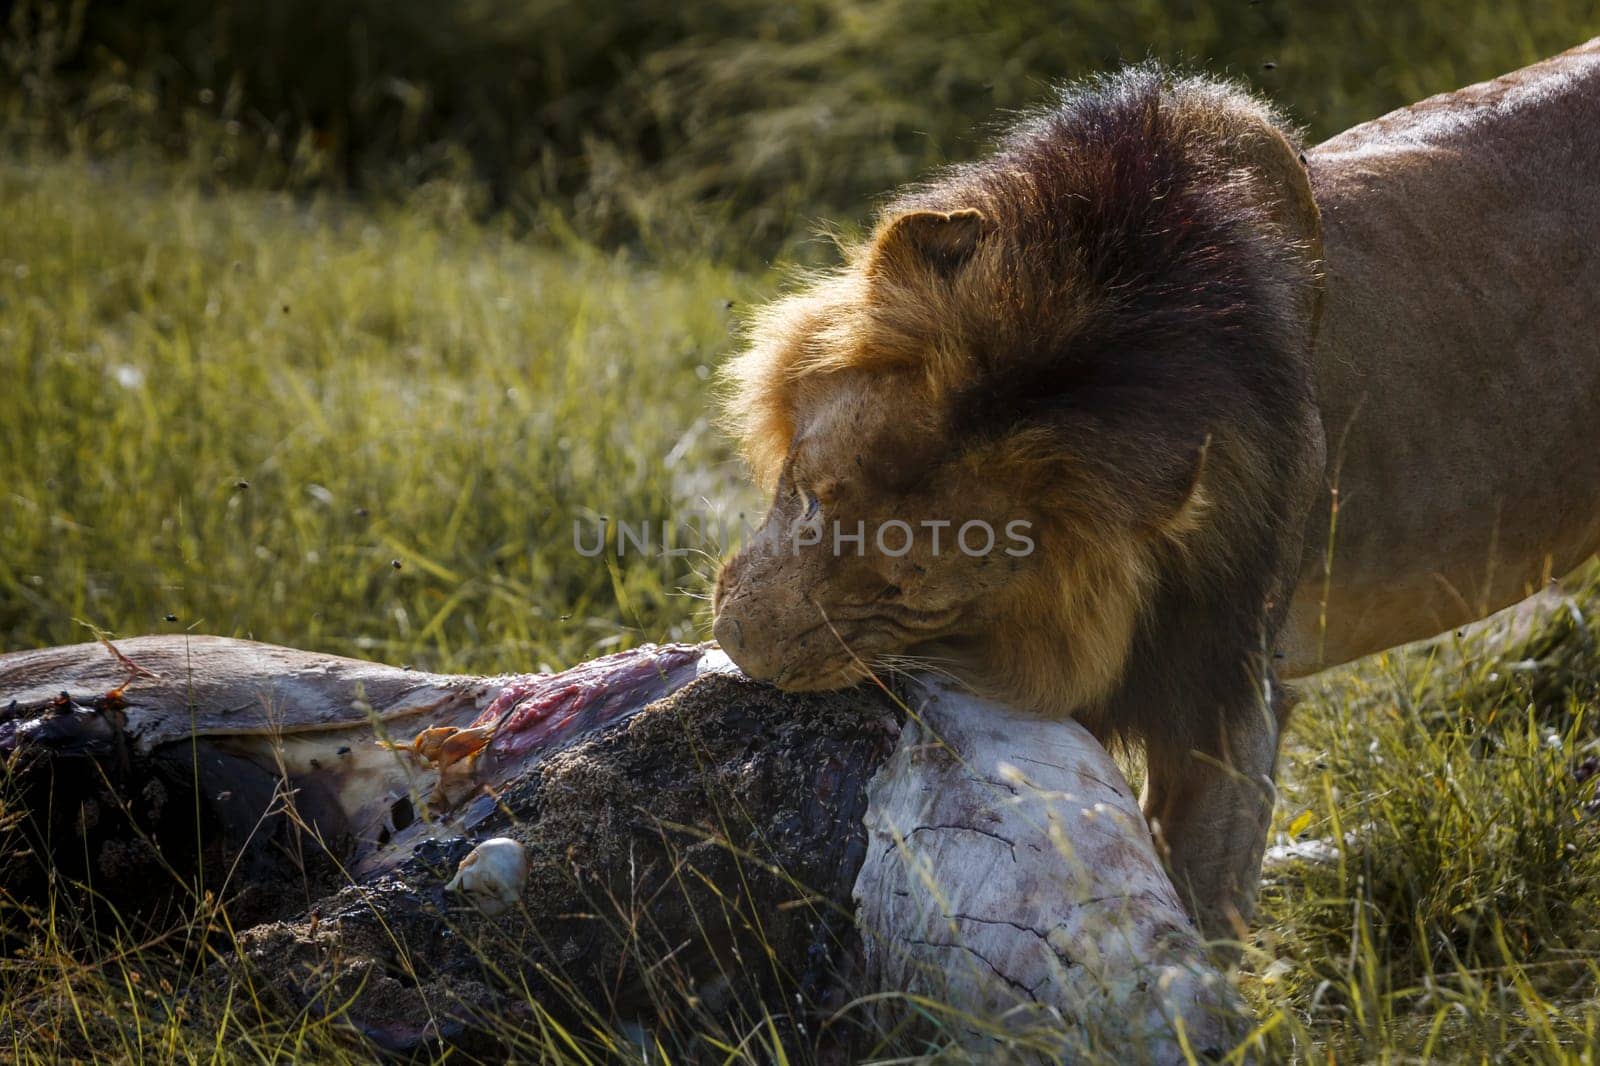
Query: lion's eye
(811, 506)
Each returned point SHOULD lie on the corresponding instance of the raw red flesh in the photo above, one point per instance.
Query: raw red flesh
(546, 710)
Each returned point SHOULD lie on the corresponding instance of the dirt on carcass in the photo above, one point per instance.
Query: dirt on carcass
(696, 858)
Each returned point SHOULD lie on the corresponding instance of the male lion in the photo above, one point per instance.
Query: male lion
(1147, 409)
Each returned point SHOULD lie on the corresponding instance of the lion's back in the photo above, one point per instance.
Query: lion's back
(1458, 359)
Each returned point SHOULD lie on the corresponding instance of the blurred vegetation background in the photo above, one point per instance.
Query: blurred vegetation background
(731, 123)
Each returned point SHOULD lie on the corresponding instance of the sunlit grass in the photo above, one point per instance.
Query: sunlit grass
(241, 412)
(1457, 914)
(357, 432)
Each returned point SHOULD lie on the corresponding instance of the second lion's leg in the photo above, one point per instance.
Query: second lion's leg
(1209, 807)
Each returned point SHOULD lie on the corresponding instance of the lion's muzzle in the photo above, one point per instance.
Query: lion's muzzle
(768, 628)
(731, 602)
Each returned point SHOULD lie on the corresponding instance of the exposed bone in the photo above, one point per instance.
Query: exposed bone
(1009, 871)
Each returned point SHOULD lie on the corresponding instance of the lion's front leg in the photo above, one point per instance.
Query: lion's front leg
(1209, 807)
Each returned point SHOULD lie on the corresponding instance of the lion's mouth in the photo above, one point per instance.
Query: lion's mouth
(843, 644)
(862, 647)
(846, 676)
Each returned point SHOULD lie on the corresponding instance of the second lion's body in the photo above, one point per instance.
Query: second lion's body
(1457, 361)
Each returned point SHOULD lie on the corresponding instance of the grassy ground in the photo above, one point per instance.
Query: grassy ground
(369, 432)
(236, 415)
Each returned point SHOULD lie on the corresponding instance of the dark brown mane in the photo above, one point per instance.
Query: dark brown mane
(1115, 208)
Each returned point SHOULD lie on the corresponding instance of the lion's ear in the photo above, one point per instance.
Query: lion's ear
(921, 241)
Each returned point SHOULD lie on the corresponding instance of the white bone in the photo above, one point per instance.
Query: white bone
(492, 876)
(1010, 875)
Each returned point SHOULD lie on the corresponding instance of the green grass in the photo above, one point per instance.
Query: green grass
(1460, 920)
(243, 413)
(400, 385)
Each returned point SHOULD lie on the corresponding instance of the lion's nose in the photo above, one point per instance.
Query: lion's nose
(753, 653)
(729, 633)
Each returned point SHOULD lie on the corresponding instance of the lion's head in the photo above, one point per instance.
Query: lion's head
(1023, 406)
